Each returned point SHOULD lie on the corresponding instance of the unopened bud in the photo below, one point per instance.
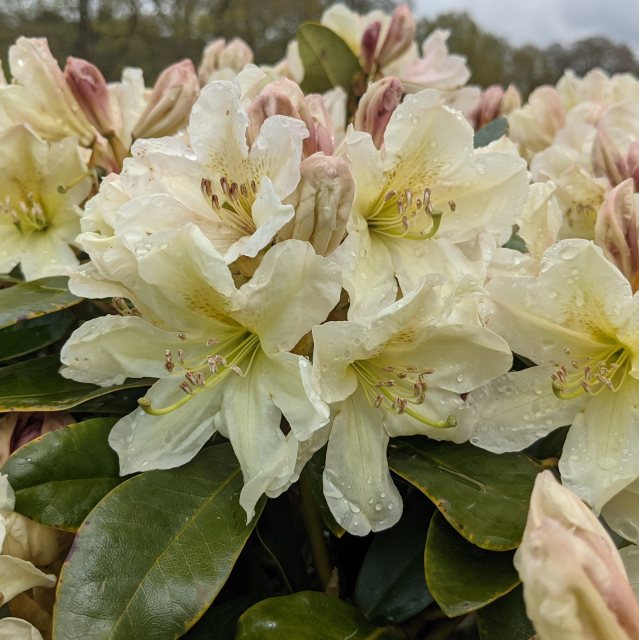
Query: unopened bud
(170, 102)
(511, 100)
(285, 98)
(90, 90)
(607, 160)
(218, 56)
(633, 164)
(575, 584)
(399, 37)
(377, 106)
(489, 106)
(617, 230)
(236, 55)
(322, 203)
(370, 37)
(16, 429)
(323, 124)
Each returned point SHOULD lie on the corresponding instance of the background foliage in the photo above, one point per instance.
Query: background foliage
(154, 33)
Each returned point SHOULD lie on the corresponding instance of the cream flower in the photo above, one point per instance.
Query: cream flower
(578, 322)
(16, 629)
(17, 574)
(41, 188)
(400, 373)
(423, 193)
(233, 192)
(40, 96)
(575, 584)
(222, 356)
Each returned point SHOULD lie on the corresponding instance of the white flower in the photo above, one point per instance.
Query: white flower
(425, 191)
(232, 192)
(17, 574)
(578, 322)
(41, 188)
(400, 373)
(575, 584)
(16, 629)
(222, 355)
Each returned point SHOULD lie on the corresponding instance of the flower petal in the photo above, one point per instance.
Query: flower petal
(18, 575)
(17, 629)
(144, 442)
(621, 513)
(357, 483)
(601, 453)
(519, 408)
(292, 290)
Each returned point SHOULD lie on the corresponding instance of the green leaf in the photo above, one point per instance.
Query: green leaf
(308, 614)
(462, 577)
(312, 476)
(36, 385)
(516, 243)
(31, 335)
(491, 132)
(328, 60)
(59, 477)
(505, 619)
(36, 298)
(483, 495)
(154, 553)
(391, 586)
(220, 620)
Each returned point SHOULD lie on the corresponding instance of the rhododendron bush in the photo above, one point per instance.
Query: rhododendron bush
(340, 348)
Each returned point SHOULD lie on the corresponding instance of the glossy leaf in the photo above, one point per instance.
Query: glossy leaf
(391, 586)
(491, 132)
(154, 553)
(59, 477)
(312, 476)
(36, 298)
(483, 495)
(505, 619)
(328, 60)
(36, 385)
(220, 620)
(462, 577)
(31, 335)
(308, 614)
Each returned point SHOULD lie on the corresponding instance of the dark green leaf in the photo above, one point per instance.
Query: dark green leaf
(154, 553)
(492, 131)
(505, 619)
(312, 476)
(308, 614)
(36, 385)
(328, 60)
(59, 477)
(549, 446)
(516, 243)
(31, 335)
(220, 620)
(483, 495)
(36, 298)
(462, 577)
(391, 586)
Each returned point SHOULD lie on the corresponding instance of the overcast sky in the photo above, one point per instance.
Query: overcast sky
(545, 21)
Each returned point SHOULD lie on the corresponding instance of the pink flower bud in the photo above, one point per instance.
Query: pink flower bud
(285, 98)
(575, 584)
(16, 429)
(633, 164)
(370, 37)
(489, 106)
(607, 160)
(324, 128)
(617, 230)
(376, 107)
(400, 35)
(90, 90)
(511, 100)
(170, 102)
(236, 55)
(322, 202)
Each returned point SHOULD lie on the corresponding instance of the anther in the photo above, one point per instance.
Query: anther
(453, 205)
(184, 385)
(224, 183)
(168, 361)
(206, 187)
(215, 201)
(180, 355)
(181, 335)
(378, 401)
(244, 190)
(389, 195)
(253, 186)
(236, 370)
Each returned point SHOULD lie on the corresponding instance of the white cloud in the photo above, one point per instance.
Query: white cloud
(543, 22)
